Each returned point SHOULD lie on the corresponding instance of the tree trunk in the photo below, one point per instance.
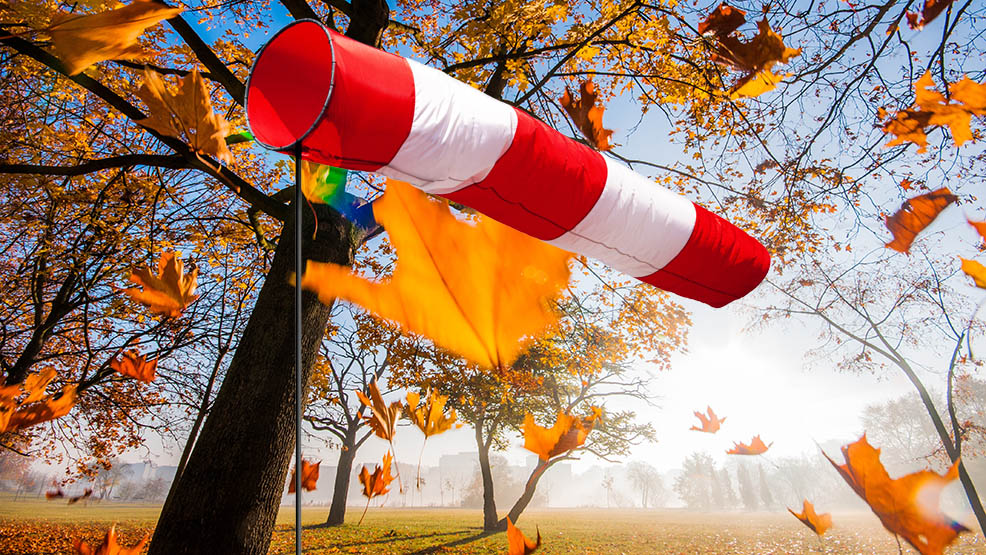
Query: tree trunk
(227, 497)
(337, 511)
(490, 522)
(529, 490)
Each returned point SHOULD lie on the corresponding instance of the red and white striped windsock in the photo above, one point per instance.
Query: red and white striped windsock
(356, 107)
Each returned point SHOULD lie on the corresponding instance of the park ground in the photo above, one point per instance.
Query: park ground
(38, 527)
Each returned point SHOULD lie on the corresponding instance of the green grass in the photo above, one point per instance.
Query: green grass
(38, 526)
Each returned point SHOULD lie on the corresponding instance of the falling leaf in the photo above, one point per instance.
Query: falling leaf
(754, 57)
(914, 215)
(818, 523)
(906, 184)
(907, 506)
(980, 228)
(976, 271)
(568, 433)
(309, 476)
(56, 494)
(109, 546)
(476, 290)
(586, 115)
(35, 407)
(756, 447)
(382, 419)
(135, 365)
(85, 495)
(967, 98)
(710, 424)
(82, 40)
(185, 115)
(431, 417)
(375, 484)
(518, 542)
(931, 10)
(167, 293)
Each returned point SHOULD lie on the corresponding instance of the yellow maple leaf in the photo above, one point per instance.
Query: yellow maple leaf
(82, 40)
(974, 270)
(431, 417)
(35, 407)
(170, 291)
(476, 290)
(931, 108)
(567, 433)
(382, 418)
(185, 115)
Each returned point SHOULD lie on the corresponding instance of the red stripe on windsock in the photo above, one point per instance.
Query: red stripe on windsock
(543, 185)
(719, 264)
(369, 115)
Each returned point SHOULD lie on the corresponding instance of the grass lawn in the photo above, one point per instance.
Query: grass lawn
(37, 526)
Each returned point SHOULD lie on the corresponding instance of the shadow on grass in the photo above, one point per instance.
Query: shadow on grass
(456, 543)
(400, 538)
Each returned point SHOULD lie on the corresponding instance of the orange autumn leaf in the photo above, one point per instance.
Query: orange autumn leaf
(756, 447)
(710, 423)
(586, 115)
(375, 485)
(431, 417)
(907, 506)
(477, 290)
(382, 418)
(914, 215)
(82, 40)
(309, 476)
(931, 10)
(35, 407)
(85, 495)
(976, 271)
(980, 228)
(517, 542)
(167, 293)
(185, 115)
(754, 57)
(56, 494)
(966, 99)
(568, 432)
(135, 365)
(109, 546)
(818, 523)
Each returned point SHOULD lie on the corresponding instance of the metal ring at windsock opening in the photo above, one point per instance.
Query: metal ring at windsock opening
(357, 107)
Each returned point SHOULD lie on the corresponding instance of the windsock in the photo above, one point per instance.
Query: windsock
(348, 105)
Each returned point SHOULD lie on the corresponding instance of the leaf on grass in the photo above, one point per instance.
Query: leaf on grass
(109, 546)
(568, 433)
(754, 57)
(82, 40)
(376, 484)
(914, 215)
(756, 447)
(476, 290)
(170, 291)
(710, 423)
(309, 476)
(35, 407)
(586, 115)
(517, 542)
(185, 115)
(976, 271)
(931, 108)
(431, 417)
(908, 506)
(136, 366)
(818, 523)
(382, 419)
(931, 10)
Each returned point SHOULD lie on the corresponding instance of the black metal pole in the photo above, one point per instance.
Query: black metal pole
(298, 269)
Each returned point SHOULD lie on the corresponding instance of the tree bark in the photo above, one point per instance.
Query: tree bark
(490, 522)
(340, 493)
(227, 497)
(529, 489)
